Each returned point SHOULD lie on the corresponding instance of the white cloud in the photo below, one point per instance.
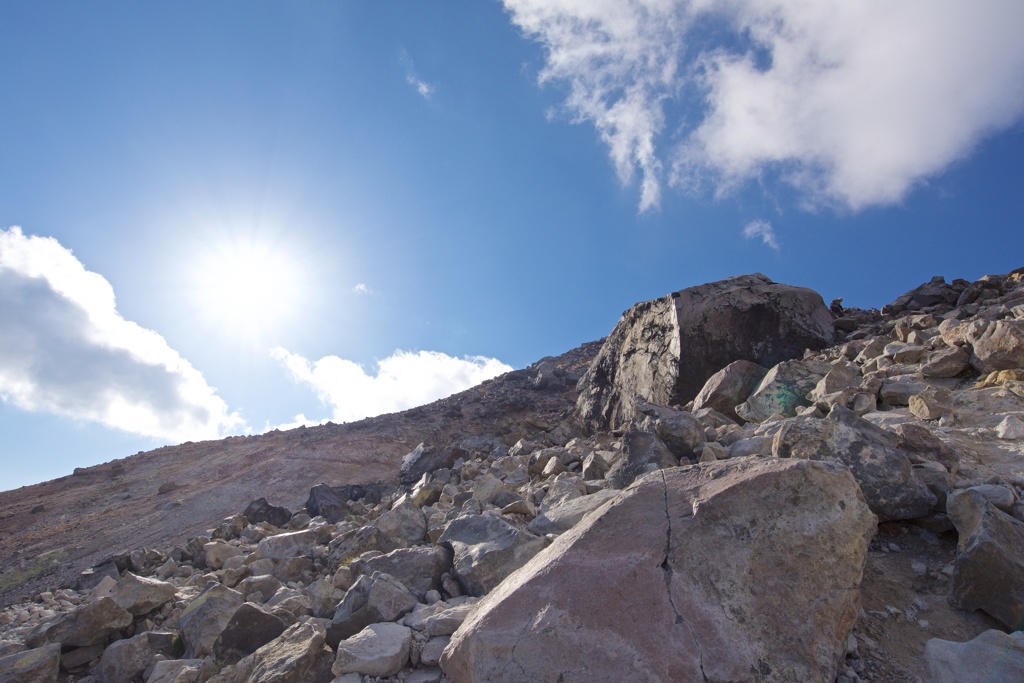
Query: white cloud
(403, 380)
(65, 350)
(422, 87)
(763, 230)
(362, 288)
(852, 103)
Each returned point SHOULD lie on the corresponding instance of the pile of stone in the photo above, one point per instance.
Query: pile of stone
(704, 516)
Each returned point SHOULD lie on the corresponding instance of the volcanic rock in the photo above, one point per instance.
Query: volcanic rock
(743, 570)
(665, 350)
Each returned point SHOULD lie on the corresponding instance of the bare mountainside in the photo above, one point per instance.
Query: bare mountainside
(50, 532)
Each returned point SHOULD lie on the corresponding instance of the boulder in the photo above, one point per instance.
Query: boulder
(90, 624)
(418, 569)
(124, 660)
(931, 293)
(783, 390)
(948, 362)
(292, 656)
(884, 473)
(218, 552)
(988, 572)
(665, 350)
(992, 657)
(921, 445)
(405, 523)
(249, 629)
(176, 671)
(1000, 347)
(643, 452)
(729, 387)
(565, 515)
(932, 403)
(372, 599)
(203, 620)
(323, 597)
(287, 546)
(260, 510)
(681, 432)
(424, 459)
(1010, 427)
(487, 549)
(141, 595)
(377, 650)
(732, 571)
(38, 665)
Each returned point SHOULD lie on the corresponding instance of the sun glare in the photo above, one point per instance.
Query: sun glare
(248, 287)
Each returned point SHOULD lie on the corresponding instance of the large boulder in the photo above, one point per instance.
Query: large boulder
(292, 656)
(39, 665)
(125, 660)
(419, 569)
(731, 571)
(884, 472)
(486, 550)
(377, 650)
(681, 432)
(729, 387)
(141, 595)
(90, 624)
(988, 573)
(666, 349)
(373, 598)
(260, 510)
(1000, 347)
(249, 629)
(643, 452)
(783, 390)
(992, 657)
(206, 617)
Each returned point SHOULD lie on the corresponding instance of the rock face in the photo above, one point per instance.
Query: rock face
(666, 349)
(31, 666)
(993, 656)
(736, 571)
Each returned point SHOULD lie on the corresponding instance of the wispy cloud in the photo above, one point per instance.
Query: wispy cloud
(422, 87)
(362, 288)
(425, 89)
(403, 380)
(66, 350)
(853, 104)
(763, 230)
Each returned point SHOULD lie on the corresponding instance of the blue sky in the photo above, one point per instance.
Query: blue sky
(236, 216)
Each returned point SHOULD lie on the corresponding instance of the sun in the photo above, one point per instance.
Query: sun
(247, 287)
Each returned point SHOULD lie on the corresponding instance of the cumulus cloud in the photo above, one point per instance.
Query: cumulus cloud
(403, 380)
(65, 350)
(853, 104)
(763, 230)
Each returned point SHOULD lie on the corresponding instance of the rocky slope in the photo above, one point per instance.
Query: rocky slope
(848, 512)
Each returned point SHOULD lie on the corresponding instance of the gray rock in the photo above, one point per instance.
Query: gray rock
(203, 620)
(992, 657)
(667, 594)
(932, 403)
(427, 675)
(643, 452)
(729, 387)
(884, 472)
(418, 569)
(486, 550)
(260, 510)
(1011, 428)
(1000, 496)
(266, 585)
(140, 595)
(124, 660)
(681, 432)
(372, 598)
(405, 523)
(430, 655)
(90, 624)
(783, 390)
(286, 546)
(218, 552)
(38, 665)
(897, 391)
(292, 656)
(948, 362)
(920, 445)
(377, 650)
(249, 629)
(665, 350)
(176, 671)
(1000, 347)
(988, 572)
(755, 445)
(424, 459)
(565, 515)
(323, 598)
